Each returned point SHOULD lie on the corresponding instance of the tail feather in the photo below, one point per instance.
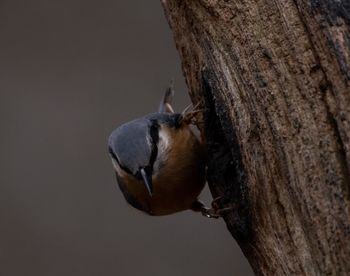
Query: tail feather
(165, 103)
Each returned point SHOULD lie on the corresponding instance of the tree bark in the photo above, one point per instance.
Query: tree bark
(274, 77)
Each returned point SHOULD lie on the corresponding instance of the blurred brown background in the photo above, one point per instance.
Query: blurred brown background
(70, 72)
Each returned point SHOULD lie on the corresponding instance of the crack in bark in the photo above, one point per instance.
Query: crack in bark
(226, 176)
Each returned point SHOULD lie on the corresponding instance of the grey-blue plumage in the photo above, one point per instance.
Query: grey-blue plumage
(132, 144)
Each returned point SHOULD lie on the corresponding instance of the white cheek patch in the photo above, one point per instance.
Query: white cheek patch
(149, 141)
(164, 141)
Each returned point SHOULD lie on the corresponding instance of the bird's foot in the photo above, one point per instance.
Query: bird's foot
(193, 117)
(216, 210)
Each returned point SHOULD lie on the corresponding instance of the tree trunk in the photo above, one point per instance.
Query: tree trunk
(274, 77)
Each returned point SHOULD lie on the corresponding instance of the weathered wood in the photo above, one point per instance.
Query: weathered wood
(275, 79)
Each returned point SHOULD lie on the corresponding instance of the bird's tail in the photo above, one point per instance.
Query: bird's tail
(165, 103)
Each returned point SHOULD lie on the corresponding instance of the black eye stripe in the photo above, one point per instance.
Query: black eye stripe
(154, 132)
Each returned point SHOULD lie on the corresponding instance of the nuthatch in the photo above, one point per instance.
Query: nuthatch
(160, 163)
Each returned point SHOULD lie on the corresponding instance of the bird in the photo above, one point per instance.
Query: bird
(160, 162)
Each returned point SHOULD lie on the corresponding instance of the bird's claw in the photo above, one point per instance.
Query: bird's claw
(216, 211)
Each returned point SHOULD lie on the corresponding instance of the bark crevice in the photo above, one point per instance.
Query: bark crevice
(226, 174)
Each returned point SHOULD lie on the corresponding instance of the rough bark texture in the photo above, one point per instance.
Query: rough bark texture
(275, 77)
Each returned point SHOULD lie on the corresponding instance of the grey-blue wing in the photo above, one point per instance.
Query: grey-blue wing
(131, 144)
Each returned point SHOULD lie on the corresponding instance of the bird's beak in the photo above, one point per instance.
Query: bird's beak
(147, 179)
